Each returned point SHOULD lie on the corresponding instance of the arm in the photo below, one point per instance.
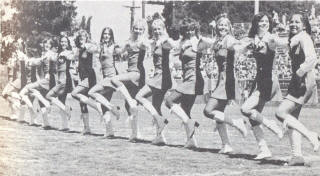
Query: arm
(310, 55)
(91, 48)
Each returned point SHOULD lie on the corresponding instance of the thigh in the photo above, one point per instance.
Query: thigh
(288, 106)
(187, 101)
(157, 97)
(130, 76)
(216, 104)
(253, 102)
(175, 97)
(80, 89)
(145, 92)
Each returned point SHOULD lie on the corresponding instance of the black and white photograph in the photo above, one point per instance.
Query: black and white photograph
(159, 87)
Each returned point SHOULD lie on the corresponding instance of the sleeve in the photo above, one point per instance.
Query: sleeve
(92, 48)
(169, 43)
(231, 42)
(208, 42)
(310, 55)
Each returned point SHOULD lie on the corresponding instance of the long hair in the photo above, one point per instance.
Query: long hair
(47, 40)
(305, 20)
(77, 40)
(189, 24)
(143, 24)
(59, 45)
(159, 22)
(111, 40)
(255, 24)
(224, 17)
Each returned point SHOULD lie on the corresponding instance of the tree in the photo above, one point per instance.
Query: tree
(34, 20)
(238, 11)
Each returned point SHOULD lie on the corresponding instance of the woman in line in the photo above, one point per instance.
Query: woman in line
(18, 69)
(161, 82)
(262, 44)
(101, 92)
(181, 100)
(130, 82)
(46, 64)
(303, 60)
(223, 49)
(58, 94)
(87, 77)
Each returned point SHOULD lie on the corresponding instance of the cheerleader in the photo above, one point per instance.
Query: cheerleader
(303, 60)
(161, 81)
(101, 92)
(129, 83)
(18, 68)
(225, 88)
(262, 44)
(58, 94)
(87, 77)
(38, 89)
(191, 49)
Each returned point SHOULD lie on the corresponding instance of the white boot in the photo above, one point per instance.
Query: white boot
(32, 115)
(22, 111)
(86, 125)
(159, 139)
(45, 120)
(295, 141)
(264, 150)
(223, 133)
(64, 121)
(108, 125)
(133, 120)
(191, 141)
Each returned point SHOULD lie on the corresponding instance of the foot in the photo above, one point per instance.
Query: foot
(115, 110)
(86, 132)
(47, 127)
(158, 141)
(314, 141)
(296, 161)
(226, 149)
(191, 144)
(64, 129)
(32, 124)
(273, 126)
(263, 155)
(240, 125)
(133, 139)
(161, 123)
(109, 136)
(191, 125)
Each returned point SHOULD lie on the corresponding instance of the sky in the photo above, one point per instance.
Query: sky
(112, 14)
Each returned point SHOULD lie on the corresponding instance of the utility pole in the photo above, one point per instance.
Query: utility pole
(132, 10)
(256, 7)
(143, 4)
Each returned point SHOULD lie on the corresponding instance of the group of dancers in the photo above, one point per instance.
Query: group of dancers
(55, 82)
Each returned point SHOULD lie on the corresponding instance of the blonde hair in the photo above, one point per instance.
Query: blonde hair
(141, 23)
(228, 22)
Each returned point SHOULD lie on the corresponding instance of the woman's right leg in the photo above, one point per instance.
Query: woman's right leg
(252, 109)
(214, 104)
(154, 107)
(96, 93)
(253, 104)
(283, 113)
(54, 96)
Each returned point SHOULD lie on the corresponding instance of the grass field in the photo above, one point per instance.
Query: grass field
(28, 150)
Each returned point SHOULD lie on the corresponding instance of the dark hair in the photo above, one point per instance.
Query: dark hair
(48, 40)
(305, 20)
(111, 41)
(188, 24)
(59, 45)
(77, 40)
(255, 24)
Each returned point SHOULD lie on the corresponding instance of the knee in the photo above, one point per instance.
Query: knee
(280, 114)
(254, 123)
(245, 111)
(91, 93)
(169, 102)
(207, 113)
